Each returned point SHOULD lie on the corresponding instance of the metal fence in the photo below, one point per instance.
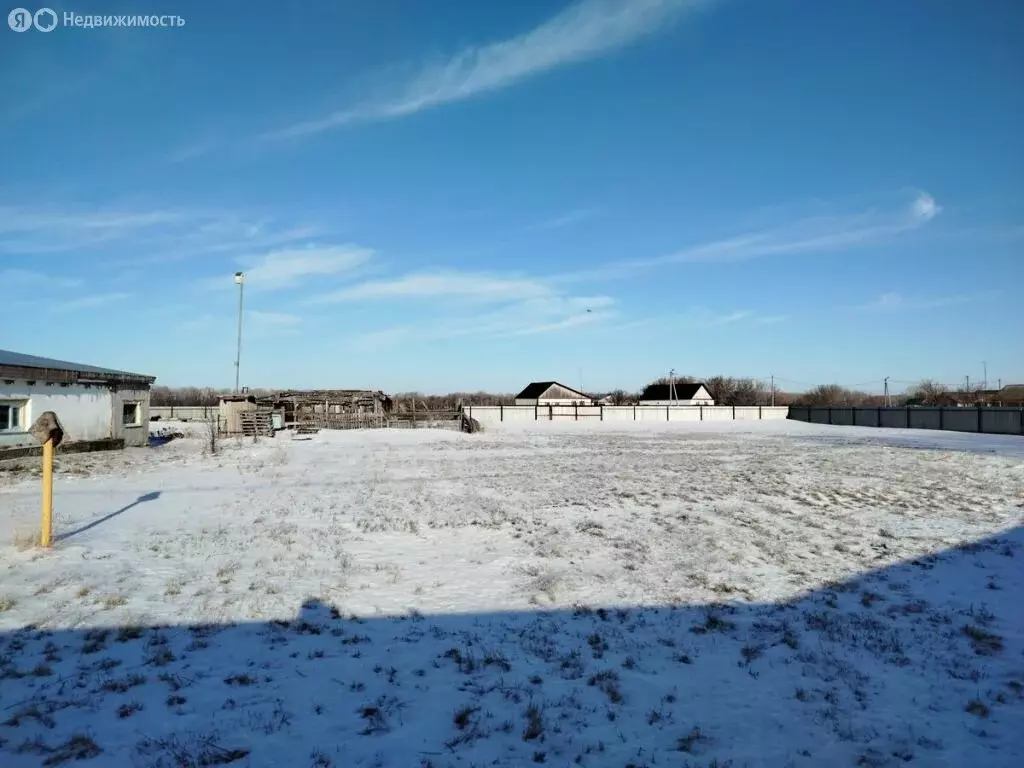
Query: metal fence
(996, 421)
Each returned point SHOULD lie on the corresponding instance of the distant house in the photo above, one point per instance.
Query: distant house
(685, 394)
(1011, 394)
(552, 393)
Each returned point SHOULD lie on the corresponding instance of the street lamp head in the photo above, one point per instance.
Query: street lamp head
(239, 278)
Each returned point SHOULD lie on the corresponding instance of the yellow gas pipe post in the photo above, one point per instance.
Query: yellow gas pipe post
(46, 539)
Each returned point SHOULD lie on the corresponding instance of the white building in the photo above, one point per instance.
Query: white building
(94, 405)
(685, 394)
(552, 393)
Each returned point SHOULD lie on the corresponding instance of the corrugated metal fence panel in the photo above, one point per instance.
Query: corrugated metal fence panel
(1001, 421)
(925, 418)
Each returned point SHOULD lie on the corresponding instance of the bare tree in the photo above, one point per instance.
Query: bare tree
(832, 394)
(929, 392)
(726, 390)
(619, 397)
(212, 433)
(749, 392)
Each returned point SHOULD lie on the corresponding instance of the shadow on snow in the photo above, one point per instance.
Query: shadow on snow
(904, 665)
(153, 496)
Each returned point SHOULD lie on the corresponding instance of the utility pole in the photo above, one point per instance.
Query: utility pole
(672, 386)
(888, 402)
(984, 377)
(240, 282)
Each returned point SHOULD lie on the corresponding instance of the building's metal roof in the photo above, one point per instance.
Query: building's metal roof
(19, 360)
(535, 389)
(684, 391)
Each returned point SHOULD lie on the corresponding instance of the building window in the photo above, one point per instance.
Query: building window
(11, 419)
(130, 414)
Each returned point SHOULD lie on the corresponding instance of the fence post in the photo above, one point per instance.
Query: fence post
(535, 407)
(734, 413)
(759, 416)
(702, 413)
(601, 412)
(979, 419)
(501, 412)
(907, 409)
(576, 411)
(830, 415)
(942, 421)
(551, 412)
(634, 411)
(666, 413)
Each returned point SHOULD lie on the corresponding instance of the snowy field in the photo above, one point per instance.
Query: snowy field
(716, 594)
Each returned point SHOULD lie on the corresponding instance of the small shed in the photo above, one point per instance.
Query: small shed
(230, 410)
(552, 393)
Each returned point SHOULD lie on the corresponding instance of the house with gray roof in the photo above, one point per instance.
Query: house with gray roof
(551, 393)
(97, 407)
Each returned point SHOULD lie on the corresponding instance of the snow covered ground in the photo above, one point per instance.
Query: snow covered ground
(744, 594)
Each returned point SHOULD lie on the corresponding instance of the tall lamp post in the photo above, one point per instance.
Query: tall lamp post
(240, 282)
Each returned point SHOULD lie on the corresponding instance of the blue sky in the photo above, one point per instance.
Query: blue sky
(461, 195)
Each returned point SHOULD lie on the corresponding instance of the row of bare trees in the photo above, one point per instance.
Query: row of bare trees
(728, 390)
(725, 390)
(194, 395)
(926, 392)
(452, 400)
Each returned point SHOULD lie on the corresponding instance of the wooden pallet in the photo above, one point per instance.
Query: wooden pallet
(256, 423)
(306, 425)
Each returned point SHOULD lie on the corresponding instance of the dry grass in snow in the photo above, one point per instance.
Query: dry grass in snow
(647, 595)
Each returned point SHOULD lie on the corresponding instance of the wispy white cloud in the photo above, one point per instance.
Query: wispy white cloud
(582, 31)
(819, 234)
(91, 301)
(273, 319)
(566, 219)
(925, 207)
(285, 268)
(25, 230)
(517, 307)
(261, 324)
(256, 324)
(897, 302)
(447, 284)
(189, 151)
(156, 236)
(24, 279)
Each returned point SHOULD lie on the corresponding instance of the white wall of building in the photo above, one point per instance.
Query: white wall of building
(84, 411)
(694, 401)
(544, 402)
(136, 433)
